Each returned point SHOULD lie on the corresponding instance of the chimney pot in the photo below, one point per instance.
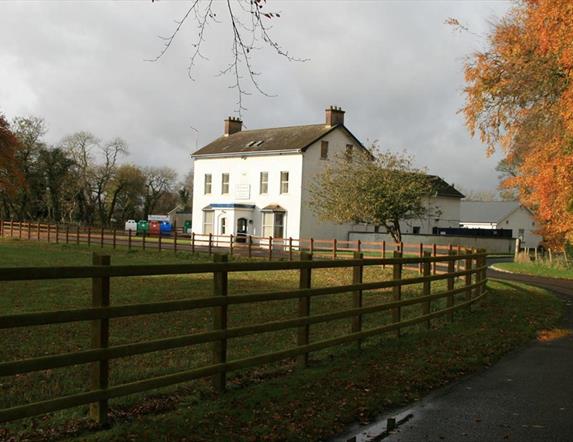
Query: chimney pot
(233, 125)
(334, 116)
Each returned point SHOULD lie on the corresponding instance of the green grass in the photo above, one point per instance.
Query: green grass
(537, 269)
(341, 386)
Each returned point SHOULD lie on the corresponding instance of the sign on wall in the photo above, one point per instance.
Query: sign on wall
(243, 192)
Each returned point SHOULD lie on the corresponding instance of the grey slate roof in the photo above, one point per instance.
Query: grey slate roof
(445, 189)
(486, 211)
(291, 138)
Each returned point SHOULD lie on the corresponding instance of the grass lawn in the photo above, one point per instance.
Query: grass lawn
(341, 386)
(537, 269)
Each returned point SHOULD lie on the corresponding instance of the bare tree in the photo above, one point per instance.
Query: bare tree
(250, 26)
(158, 181)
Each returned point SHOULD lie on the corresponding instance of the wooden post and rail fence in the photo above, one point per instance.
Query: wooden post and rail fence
(472, 287)
(249, 246)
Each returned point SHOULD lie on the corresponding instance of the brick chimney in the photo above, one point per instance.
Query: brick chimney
(334, 116)
(232, 125)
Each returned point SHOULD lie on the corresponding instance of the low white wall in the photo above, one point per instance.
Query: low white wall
(491, 245)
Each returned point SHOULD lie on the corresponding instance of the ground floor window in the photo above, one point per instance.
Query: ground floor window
(208, 216)
(223, 226)
(273, 224)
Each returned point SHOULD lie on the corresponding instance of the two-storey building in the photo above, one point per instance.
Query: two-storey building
(256, 182)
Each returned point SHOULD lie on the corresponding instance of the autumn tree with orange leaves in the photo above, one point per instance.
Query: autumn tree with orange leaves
(520, 99)
(10, 174)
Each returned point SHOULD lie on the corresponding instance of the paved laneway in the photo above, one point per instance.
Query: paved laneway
(527, 396)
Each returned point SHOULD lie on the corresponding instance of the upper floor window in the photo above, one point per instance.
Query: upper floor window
(284, 182)
(264, 183)
(208, 184)
(324, 150)
(225, 183)
(348, 152)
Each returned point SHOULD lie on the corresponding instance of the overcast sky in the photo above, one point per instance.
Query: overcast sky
(394, 66)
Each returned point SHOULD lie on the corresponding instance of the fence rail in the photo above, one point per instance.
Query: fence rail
(249, 246)
(101, 272)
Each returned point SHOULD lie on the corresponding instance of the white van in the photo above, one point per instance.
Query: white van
(131, 224)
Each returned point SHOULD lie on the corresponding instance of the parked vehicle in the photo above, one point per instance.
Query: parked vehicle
(165, 228)
(131, 224)
(154, 228)
(142, 227)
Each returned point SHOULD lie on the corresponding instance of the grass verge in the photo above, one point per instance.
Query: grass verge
(341, 386)
(537, 269)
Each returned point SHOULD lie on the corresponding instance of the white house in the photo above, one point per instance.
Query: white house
(256, 182)
(509, 215)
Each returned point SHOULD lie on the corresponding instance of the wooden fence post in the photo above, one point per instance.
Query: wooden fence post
(57, 233)
(89, 236)
(20, 231)
(421, 254)
(311, 246)
(468, 279)
(100, 339)
(143, 240)
(210, 247)
(38, 227)
(192, 242)
(397, 290)
(29, 230)
(290, 248)
(175, 241)
(114, 237)
(358, 245)
(305, 281)
(159, 242)
(451, 282)
(401, 247)
(357, 278)
(435, 263)
(270, 248)
(49, 231)
(250, 247)
(231, 244)
(101, 237)
(334, 243)
(67, 233)
(220, 288)
(427, 288)
(78, 235)
(129, 240)
(11, 228)
(383, 252)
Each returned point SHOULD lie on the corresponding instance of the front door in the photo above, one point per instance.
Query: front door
(242, 226)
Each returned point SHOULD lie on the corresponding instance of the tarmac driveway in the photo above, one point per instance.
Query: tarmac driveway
(527, 396)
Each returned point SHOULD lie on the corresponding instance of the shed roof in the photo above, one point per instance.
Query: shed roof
(486, 211)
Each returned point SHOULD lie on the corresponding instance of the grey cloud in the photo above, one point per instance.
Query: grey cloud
(394, 66)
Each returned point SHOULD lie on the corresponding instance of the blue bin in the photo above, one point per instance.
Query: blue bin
(165, 228)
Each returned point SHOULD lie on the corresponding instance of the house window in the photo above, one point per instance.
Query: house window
(273, 224)
(225, 183)
(324, 150)
(348, 152)
(208, 183)
(208, 216)
(416, 230)
(223, 226)
(264, 183)
(284, 182)
(268, 218)
(278, 230)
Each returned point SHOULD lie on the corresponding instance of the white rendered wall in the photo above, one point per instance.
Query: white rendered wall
(311, 225)
(245, 171)
(522, 219)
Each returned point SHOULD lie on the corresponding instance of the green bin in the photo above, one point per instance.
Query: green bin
(187, 226)
(142, 227)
